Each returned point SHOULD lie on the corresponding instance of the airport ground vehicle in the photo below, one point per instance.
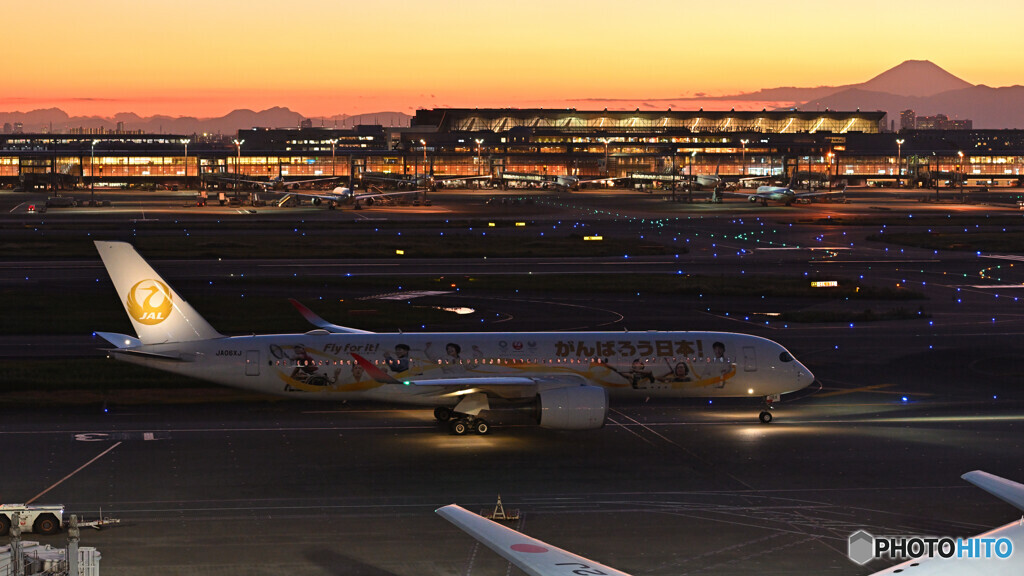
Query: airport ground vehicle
(41, 519)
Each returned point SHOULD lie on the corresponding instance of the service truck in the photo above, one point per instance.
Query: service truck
(41, 519)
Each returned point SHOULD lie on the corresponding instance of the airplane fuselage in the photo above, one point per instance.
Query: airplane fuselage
(773, 193)
(378, 366)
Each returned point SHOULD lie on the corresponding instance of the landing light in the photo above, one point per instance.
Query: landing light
(750, 390)
(400, 252)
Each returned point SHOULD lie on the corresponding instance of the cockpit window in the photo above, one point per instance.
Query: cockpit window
(785, 356)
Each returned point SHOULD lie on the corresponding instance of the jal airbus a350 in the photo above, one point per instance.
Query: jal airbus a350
(566, 376)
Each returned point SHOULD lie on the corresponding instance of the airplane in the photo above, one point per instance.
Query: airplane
(561, 181)
(336, 197)
(565, 378)
(428, 181)
(784, 194)
(538, 558)
(344, 195)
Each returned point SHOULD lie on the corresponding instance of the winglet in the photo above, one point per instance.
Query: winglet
(1006, 490)
(319, 322)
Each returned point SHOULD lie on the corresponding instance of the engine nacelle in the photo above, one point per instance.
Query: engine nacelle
(572, 407)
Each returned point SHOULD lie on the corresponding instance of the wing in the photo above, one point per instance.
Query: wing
(938, 566)
(532, 556)
(311, 180)
(382, 194)
(819, 193)
(767, 195)
(319, 322)
(1005, 490)
(327, 197)
(592, 180)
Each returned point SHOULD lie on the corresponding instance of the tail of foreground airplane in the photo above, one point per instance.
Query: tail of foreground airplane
(157, 312)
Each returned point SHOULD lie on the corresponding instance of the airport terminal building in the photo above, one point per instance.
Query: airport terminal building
(644, 148)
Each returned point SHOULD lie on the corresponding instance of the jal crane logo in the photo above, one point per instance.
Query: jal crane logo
(149, 302)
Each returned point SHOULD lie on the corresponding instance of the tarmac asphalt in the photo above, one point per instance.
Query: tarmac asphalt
(276, 487)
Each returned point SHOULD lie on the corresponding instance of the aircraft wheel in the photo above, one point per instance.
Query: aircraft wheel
(443, 413)
(5, 525)
(46, 524)
(459, 427)
(765, 417)
(481, 426)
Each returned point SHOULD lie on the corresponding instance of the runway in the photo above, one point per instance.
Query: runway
(665, 488)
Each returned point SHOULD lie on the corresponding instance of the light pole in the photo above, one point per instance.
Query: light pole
(828, 171)
(899, 158)
(185, 141)
(963, 176)
(689, 189)
(426, 176)
(92, 173)
(424, 143)
(334, 165)
(238, 162)
(606, 141)
(743, 157)
(478, 141)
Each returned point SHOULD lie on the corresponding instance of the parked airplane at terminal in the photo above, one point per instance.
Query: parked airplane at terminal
(344, 195)
(561, 181)
(784, 194)
(340, 195)
(538, 558)
(566, 377)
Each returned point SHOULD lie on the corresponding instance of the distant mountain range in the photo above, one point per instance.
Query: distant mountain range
(56, 120)
(918, 85)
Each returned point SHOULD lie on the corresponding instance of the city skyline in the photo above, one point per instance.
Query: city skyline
(322, 58)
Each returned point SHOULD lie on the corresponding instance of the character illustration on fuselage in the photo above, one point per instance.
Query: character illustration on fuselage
(566, 376)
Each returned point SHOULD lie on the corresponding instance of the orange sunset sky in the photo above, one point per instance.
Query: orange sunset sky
(319, 57)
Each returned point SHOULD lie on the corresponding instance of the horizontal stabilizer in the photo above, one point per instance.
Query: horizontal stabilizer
(120, 340)
(1006, 490)
(319, 322)
(154, 355)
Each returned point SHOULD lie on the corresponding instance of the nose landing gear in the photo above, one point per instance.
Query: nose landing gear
(766, 416)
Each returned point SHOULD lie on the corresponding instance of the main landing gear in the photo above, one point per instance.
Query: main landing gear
(461, 424)
(766, 416)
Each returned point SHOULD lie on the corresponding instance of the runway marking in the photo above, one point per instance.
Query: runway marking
(76, 471)
(875, 261)
(683, 448)
(1004, 257)
(626, 428)
(871, 388)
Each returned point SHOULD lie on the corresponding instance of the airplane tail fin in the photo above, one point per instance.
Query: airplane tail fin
(157, 312)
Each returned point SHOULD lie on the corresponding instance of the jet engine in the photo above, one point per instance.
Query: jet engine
(572, 407)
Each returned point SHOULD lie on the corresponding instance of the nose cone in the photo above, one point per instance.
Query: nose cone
(801, 375)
